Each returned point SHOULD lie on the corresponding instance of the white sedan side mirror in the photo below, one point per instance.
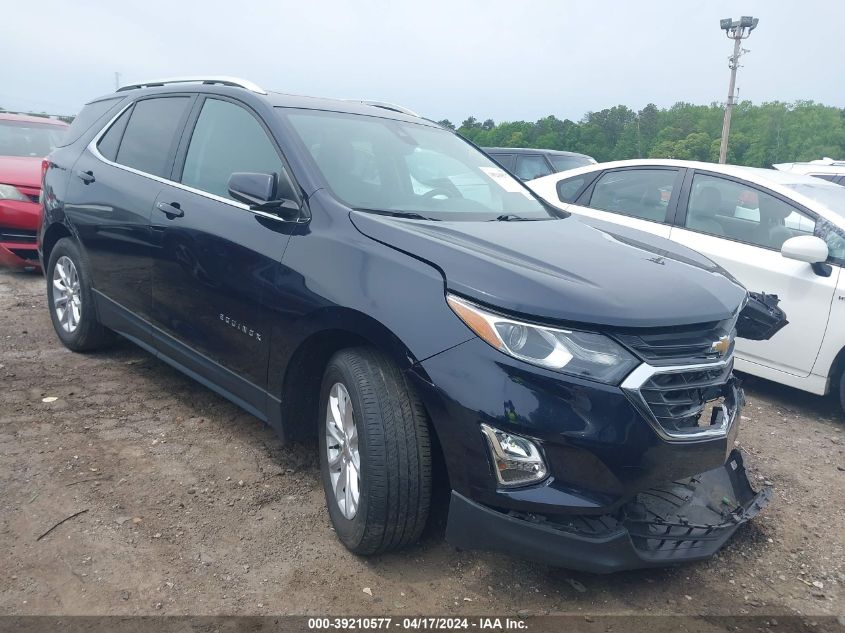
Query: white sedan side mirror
(805, 248)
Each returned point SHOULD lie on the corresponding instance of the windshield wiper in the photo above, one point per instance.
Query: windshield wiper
(512, 217)
(410, 215)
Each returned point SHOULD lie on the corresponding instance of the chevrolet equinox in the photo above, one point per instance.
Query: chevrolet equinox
(353, 271)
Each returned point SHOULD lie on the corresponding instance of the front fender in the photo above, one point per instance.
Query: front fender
(334, 280)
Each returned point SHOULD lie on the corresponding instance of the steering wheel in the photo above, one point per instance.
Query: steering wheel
(440, 191)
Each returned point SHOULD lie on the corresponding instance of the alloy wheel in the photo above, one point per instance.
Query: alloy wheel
(342, 447)
(67, 296)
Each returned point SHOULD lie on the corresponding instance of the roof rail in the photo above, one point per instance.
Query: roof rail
(215, 79)
(828, 161)
(388, 106)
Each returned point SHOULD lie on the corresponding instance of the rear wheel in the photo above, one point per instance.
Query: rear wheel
(375, 453)
(71, 301)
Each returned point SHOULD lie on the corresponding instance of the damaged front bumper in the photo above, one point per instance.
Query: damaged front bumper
(686, 520)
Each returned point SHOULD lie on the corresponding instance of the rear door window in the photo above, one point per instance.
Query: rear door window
(531, 166)
(640, 193)
(151, 134)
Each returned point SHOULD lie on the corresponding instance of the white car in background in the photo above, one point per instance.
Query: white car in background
(825, 168)
(776, 231)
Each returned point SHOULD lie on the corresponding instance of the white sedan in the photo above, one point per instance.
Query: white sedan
(775, 231)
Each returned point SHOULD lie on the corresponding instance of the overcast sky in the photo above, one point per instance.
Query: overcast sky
(504, 59)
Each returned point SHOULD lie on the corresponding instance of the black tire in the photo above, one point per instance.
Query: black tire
(842, 390)
(89, 334)
(394, 448)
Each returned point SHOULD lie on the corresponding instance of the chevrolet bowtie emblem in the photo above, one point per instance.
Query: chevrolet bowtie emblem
(721, 346)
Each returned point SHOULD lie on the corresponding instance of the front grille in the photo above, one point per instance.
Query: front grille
(17, 236)
(678, 400)
(686, 402)
(678, 345)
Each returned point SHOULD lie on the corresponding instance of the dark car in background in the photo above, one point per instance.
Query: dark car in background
(357, 273)
(528, 164)
(24, 142)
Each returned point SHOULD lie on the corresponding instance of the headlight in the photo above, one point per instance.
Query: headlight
(584, 354)
(8, 192)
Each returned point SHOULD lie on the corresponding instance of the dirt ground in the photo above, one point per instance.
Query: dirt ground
(191, 506)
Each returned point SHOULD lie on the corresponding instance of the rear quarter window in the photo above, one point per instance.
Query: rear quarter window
(569, 189)
(563, 163)
(508, 161)
(110, 141)
(88, 116)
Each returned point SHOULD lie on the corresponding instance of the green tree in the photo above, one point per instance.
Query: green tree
(760, 134)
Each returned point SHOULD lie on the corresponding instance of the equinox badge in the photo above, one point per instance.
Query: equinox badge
(240, 327)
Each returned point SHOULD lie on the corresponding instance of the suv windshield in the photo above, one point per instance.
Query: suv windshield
(379, 164)
(22, 138)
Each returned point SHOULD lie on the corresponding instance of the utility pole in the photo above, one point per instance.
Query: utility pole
(736, 30)
(116, 80)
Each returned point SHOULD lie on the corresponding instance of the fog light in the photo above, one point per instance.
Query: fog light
(516, 460)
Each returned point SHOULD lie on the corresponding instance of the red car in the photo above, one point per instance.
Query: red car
(24, 142)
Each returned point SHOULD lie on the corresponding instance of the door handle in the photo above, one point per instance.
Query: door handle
(86, 176)
(170, 209)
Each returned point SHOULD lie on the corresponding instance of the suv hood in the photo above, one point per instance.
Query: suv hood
(20, 170)
(564, 270)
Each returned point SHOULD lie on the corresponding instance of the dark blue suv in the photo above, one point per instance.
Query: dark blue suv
(353, 271)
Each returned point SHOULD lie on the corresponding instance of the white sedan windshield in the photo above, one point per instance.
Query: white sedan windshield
(830, 195)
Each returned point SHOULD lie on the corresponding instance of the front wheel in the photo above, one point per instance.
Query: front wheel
(842, 390)
(71, 300)
(375, 453)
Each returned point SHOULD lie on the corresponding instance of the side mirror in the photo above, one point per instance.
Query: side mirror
(260, 192)
(805, 248)
(252, 189)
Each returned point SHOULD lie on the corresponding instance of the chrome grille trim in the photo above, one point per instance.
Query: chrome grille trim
(632, 387)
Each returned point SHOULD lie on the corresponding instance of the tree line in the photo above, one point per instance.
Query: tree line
(761, 135)
(43, 115)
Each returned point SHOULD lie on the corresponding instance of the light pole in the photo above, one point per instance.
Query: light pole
(737, 30)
